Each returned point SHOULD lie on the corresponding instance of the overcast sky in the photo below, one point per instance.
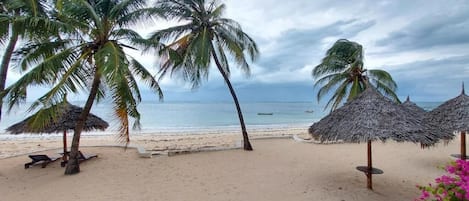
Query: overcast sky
(424, 44)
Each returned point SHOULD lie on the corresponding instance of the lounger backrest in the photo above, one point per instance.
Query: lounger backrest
(40, 157)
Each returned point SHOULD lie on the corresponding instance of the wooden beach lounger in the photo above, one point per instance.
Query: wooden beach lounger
(40, 159)
(81, 157)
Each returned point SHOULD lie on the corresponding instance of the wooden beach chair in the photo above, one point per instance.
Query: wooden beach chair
(84, 157)
(81, 157)
(40, 159)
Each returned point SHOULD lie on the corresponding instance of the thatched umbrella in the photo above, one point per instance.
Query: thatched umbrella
(421, 113)
(414, 108)
(369, 117)
(63, 122)
(451, 116)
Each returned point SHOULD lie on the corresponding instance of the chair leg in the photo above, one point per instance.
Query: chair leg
(45, 163)
(26, 165)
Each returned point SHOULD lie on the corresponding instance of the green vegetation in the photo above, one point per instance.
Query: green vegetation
(25, 20)
(342, 70)
(204, 35)
(87, 54)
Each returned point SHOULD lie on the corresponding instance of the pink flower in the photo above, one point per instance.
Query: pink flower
(424, 195)
(449, 187)
(450, 169)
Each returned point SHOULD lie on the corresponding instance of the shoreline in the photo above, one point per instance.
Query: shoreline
(167, 130)
(16, 145)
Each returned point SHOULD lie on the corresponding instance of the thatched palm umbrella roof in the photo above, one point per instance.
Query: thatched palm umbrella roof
(451, 116)
(421, 113)
(369, 117)
(64, 122)
(414, 108)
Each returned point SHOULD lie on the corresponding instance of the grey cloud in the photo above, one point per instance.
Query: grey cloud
(246, 93)
(432, 80)
(297, 48)
(430, 31)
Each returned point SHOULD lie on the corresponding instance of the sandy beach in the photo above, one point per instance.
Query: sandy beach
(278, 169)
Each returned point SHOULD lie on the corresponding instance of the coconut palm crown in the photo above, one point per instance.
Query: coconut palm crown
(92, 58)
(342, 70)
(203, 36)
(23, 20)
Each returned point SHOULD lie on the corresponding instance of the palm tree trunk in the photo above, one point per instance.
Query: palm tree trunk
(247, 144)
(6, 62)
(73, 160)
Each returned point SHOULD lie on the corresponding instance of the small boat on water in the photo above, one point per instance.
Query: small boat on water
(265, 113)
(309, 111)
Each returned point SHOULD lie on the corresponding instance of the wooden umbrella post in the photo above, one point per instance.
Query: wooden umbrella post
(369, 173)
(64, 158)
(463, 145)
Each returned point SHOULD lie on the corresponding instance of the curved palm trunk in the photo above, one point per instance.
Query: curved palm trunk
(73, 161)
(247, 144)
(6, 62)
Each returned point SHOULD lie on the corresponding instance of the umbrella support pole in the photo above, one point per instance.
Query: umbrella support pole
(64, 158)
(369, 184)
(369, 170)
(463, 145)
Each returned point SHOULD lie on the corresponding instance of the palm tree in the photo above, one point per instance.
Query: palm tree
(342, 70)
(92, 58)
(21, 19)
(203, 35)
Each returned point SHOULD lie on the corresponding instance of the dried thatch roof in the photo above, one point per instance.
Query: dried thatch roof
(452, 115)
(65, 121)
(414, 108)
(371, 116)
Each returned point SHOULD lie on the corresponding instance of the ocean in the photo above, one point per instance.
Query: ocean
(175, 117)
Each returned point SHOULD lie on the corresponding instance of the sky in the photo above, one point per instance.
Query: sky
(423, 44)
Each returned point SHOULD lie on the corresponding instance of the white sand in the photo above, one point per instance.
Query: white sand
(278, 169)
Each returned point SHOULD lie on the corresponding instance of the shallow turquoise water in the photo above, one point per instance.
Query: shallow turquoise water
(187, 116)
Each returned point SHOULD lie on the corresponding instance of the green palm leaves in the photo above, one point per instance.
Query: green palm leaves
(204, 36)
(87, 54)
(22, 19)
(342, 70)
(96, 47)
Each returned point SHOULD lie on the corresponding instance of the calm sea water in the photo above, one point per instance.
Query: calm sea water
(182, 116)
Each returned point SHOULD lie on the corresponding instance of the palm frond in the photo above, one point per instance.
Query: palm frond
(201, 48)
(338, 96)
(339, 57)
(53, 53)
(171, 33)
(383, 77)
(4, 32)
(138, 15)
(70, 81)
(139, 70)
(45, 116)
(125, 34)
(355, 89)
(217, 12)
(332, 81)
(344, 62)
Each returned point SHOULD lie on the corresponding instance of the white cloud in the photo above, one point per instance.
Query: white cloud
(293, 36)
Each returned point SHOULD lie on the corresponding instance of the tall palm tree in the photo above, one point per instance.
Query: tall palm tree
(204, 36)
(92, 58)
(342, 70)
(21, 19)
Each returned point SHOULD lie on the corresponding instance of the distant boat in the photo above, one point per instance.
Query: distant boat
(309, 111)
(263, 113)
